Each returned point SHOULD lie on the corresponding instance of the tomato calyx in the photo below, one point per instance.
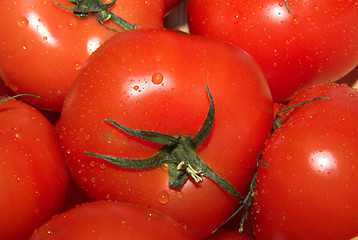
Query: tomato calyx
(99, 10)
(177, 154)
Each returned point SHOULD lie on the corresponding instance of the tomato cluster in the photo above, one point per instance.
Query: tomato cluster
(241, 124)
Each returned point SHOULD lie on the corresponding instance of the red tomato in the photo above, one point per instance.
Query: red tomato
(229, 234)
(111, 220)
(43, 46)
(155, 80)
(309, 190)
(33, 175)
(316, 42)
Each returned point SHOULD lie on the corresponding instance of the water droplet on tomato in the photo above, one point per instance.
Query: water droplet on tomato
(163, 197)
(157, 78)
(22, 22)
(77, 66)
(295, 20)
(150, 214)
(179, 194)
(235, 18)
(158, 59)
(136, 87)
(72, 23)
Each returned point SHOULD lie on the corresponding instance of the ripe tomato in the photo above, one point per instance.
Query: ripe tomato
(316, 42)
(309, 190)
(43, 46)
(111, 220)
(155, 80)
(33, 175)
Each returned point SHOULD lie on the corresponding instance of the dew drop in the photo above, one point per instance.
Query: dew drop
(179, 194)
(22, 22)
(136, 87)
(235, 18)
(295, 20)
(157, 78)
(78, 66)
(163, 197)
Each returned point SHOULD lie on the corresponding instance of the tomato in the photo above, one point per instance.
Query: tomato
(111, 220)
(228, 234)
(309, 189)
(306, 44)
(43, 46)
(33, 175)
(155, 80)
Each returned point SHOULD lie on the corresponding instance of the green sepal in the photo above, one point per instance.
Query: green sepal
(146, 163)
(157, 137)
(208, 123)
(17, 96)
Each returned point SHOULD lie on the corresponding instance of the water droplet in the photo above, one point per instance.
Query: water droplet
(157, 78)
(295, 20)
(72, 23)
(22, 22)
(163, 197)
(136, 87)
(235, 18)
(92, 164)
(158, 59)
(179, 194)
(78, 66)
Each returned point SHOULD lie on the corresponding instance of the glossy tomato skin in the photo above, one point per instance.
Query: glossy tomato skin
(309, 190)
(156, 80)
(316, 42)
(111, 220)
(43, 46)
(33, 175)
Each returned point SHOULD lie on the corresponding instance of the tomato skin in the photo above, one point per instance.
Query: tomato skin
(317, 42)
(33, 175)
(43, 46)
(111, 220)
(309, 190)
(117, 83)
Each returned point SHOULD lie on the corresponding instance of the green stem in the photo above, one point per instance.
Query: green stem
(178, 154)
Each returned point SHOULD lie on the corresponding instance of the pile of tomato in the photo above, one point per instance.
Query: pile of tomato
(115, 126)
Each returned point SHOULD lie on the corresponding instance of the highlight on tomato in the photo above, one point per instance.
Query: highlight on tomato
(33, 174)
(298, 44)
(111, 220)
(44, 44)
(309, 188)
(183, 117)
